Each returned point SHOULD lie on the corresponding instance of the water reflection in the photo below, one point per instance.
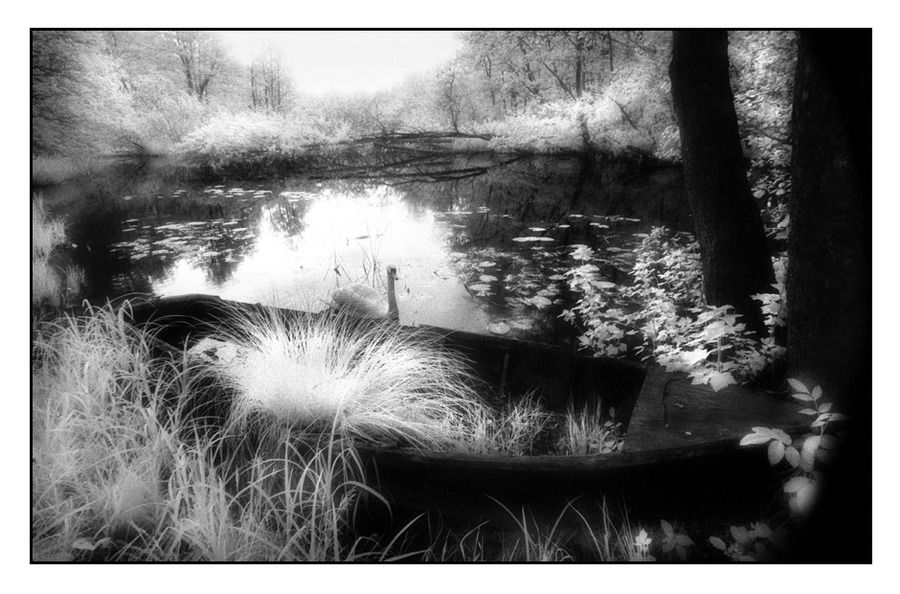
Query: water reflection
(485, 253)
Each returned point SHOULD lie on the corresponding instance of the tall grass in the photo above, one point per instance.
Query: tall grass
(118, 475)
(126, 467)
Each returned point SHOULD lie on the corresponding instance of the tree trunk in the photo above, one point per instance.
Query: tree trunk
(829, 279)
(734, 254)
(829, 283)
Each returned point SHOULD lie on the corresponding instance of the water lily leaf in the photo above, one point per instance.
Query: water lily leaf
(717, 543)
(498, 328)
(540, 302)
(487, 278)
(532, 239)
(486, 264)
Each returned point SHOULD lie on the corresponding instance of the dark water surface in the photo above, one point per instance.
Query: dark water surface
(485, 250)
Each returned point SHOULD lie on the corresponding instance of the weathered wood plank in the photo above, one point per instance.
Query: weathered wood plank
(671, 412)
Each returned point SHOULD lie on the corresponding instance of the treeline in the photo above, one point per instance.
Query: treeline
(159, 92)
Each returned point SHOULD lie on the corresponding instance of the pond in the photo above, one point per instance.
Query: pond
(480, 245)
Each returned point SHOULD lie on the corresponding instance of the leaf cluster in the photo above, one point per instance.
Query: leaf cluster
(806, 454)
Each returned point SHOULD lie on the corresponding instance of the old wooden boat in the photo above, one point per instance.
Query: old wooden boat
(681, 441)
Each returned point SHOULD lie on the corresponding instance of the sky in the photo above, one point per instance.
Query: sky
(347, 61)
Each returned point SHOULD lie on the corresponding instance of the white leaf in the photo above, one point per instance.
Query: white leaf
(720, 380)
(796, 483)
(798, 386)
(776, 452)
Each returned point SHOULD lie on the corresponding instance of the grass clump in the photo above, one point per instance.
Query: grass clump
(376, 383)
(588, 433)
(515, 430)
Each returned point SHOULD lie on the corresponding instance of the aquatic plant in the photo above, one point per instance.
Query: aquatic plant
(373, 382)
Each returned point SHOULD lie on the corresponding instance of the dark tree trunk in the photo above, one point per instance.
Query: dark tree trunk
(829, 273)
(829, 284)
(734, 254)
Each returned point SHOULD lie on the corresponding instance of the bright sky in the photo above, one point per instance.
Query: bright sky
(347, 61)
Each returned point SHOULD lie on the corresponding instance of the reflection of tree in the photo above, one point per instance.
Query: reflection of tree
(287, 216)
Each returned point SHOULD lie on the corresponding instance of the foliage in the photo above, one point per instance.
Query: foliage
(675, 541)
(229, 141)
(756, 543)
(805, 455)
(678, 330)
(763, 68)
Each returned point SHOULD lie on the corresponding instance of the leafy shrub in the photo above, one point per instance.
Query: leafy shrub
(677, 329)
(230, 141)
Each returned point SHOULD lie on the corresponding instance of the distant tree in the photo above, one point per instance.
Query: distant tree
(735, 257)
(270, 85)
(201, 56)
(78, 104)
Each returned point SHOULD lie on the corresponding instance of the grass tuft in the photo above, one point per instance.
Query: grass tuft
(376, 383)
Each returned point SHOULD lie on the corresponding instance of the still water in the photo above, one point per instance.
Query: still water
(483, 247)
